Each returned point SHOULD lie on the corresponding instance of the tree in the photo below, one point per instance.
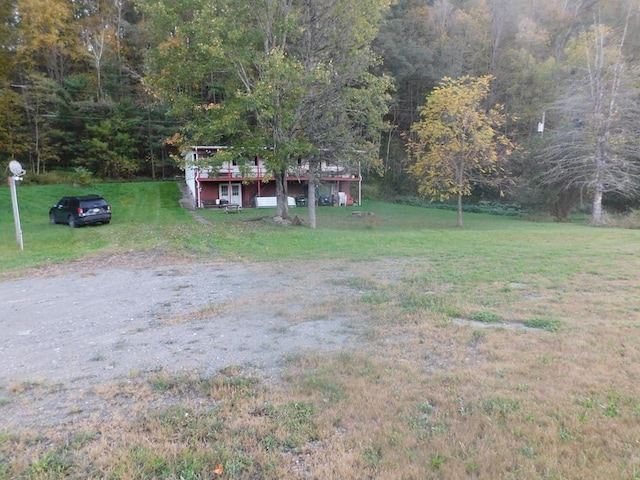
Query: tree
(96, 40)
(109, 148)
(344, 103)
(46, 39)
(7, 40)
(14, 139)
(457, 141)
(407, 44)
(39, 95)
(595, 145)
(279, 79)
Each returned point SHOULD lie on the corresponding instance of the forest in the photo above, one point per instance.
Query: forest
(113, 89)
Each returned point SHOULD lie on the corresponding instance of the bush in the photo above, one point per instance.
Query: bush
(493, 208)
(629, 220)
(370, 192)
(83, 176)
(53, 177)
(76, 176)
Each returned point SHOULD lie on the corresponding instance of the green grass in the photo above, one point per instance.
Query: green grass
(548, 324)
(486, 317)
(147, 215)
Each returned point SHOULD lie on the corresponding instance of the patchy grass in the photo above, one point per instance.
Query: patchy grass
(548, 324)
(486, 317)
(421, 396)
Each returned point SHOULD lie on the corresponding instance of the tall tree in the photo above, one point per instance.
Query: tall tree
(7, 40)
(39, 99)
(595, 145)
(458, 142)
(46, 38)
(344, 103)
(407, 45)
(288, 80)
(96, 39)
(14, 138)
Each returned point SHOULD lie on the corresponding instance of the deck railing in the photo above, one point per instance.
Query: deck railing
(258, 172)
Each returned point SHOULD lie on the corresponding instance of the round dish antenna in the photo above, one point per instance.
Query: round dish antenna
(16, 168)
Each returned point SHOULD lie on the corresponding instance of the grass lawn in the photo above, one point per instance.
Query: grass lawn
(508, 349)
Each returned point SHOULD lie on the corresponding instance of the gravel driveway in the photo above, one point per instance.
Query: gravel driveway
(95, 324)
(75, 326)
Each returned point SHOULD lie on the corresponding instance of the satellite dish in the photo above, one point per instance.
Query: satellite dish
(16, 168)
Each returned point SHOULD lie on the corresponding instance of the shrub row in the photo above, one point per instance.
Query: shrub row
(493, 208)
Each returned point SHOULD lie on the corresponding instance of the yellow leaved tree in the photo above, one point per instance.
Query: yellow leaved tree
(458, 142)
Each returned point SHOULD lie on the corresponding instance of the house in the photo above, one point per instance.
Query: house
(251, 184)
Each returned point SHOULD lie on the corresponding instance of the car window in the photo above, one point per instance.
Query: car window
(93, 203)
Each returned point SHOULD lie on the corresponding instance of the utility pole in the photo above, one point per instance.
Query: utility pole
(18, 173)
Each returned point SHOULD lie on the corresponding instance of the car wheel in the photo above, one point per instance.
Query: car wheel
(52, 219)
(71, 221)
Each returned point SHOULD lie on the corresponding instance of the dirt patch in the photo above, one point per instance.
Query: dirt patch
(66, 329)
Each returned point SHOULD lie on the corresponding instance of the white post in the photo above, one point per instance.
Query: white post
(359, 185)
(16, 212)
(541, 124)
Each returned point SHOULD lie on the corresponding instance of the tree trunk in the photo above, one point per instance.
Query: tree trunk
(596, 207)
(460, 189)
(281, 195)
(311, 192)
(460, 224)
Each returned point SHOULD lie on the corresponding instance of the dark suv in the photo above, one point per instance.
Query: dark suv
(81, 210)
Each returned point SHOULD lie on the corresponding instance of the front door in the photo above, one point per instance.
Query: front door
(235, 196)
